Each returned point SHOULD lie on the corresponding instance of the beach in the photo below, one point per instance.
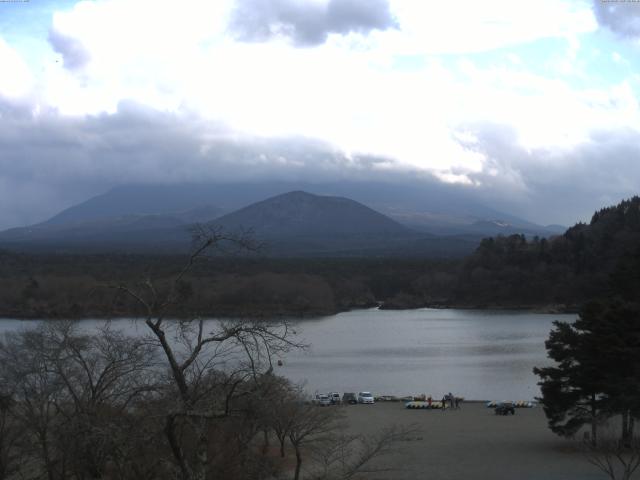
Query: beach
(471, 443)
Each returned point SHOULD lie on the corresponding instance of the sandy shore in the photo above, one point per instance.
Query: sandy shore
(472, 443)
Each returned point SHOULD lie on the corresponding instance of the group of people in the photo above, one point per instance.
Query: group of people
(449, 400)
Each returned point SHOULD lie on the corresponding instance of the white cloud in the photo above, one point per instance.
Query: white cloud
(343, 91)
(347, 91)
(15, 78)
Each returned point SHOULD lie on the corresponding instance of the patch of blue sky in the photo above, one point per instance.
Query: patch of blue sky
(25, 27)
(597, 60)
(409, 63)
(610, 59)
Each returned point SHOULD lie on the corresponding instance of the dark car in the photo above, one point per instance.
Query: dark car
(505, 408)
(349, 398)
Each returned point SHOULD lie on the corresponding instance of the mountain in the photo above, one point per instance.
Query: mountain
(102, 233)
(431, 208)
(292, 224)
(301, 214)
(302, 224)
(330, 219)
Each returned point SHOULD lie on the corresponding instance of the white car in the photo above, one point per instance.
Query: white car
(335, 398)
(322, 399)
(365, 397)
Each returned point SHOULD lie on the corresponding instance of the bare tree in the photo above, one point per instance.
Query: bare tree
(36, 390)
(280, 411)
(211, 364)
(310, 423)
(71, 392)
(344, 457)
(617, 458)
(103, 374)
(10, 434)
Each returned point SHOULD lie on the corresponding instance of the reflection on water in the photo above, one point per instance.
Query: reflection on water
(475, 354)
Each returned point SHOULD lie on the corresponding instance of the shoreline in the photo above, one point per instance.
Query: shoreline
(539, 309)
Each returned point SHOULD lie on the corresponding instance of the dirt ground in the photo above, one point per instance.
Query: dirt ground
(472, 443)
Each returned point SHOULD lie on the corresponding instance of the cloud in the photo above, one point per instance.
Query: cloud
(186, 101)
(15, 78)
(308, 23)
(622, 18)
(548, 185)
(74, 55)
(50, 161)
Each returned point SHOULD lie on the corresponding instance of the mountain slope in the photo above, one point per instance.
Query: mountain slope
(295, 224)
(154, 231)
(432, 207)
(301, 214)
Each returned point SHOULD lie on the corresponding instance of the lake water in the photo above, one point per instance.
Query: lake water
(484, 355)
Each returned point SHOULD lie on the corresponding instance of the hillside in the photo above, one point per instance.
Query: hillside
(432, 208)
(293, 224)
(126, 232)
(301, 214)
(330, 220)
(601, 258)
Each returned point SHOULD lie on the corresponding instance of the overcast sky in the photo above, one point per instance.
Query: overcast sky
(533, 106)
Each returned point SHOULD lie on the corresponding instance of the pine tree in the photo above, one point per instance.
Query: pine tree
(572, 391)
(597, 369)
(616, 325)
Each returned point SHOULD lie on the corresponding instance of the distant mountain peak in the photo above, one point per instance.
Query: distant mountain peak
(299, 213)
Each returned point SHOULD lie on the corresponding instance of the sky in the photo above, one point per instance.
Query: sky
(530, 106)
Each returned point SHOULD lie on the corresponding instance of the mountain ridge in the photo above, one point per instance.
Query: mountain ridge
(432, 208)
(292, 223)
(300, 213)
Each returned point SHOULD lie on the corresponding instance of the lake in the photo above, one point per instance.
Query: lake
(476, 354)
(483, 355)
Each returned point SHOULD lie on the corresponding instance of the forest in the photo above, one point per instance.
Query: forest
(552, 274)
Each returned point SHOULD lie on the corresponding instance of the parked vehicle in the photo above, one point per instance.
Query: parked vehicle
(505, 408)
(322, 400)
(335, 398)
(349, 398)
(365, 397)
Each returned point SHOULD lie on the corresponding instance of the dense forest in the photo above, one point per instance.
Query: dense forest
(562, 272)
(596, 259)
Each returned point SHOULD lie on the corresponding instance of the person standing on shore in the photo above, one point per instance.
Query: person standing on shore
(450, 400)
(444, 402)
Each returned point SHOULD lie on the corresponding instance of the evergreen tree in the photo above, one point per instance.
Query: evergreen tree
(572, 391)
(616, 326)
(597, 369)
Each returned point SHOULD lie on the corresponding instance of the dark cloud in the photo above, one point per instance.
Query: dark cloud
(50, 162)
(74, 55)
(308, 23)
(621, 17)
(552, 185)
